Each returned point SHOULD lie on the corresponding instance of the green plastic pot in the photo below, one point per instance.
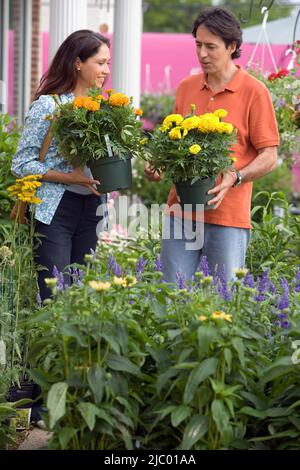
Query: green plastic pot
(195, 193)
(113, 173)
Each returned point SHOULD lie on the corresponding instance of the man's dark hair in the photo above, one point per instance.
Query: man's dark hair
(222, 23)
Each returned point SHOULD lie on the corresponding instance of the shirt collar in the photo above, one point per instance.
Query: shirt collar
(233, 85)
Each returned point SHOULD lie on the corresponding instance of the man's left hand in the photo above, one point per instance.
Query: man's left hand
(221, 189)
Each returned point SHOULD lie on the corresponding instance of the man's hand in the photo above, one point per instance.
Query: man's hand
(221, 189)
(151, 174)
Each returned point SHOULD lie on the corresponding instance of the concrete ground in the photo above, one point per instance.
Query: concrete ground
(36, 439)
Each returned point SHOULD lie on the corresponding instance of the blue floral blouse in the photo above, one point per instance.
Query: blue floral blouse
(26, 160)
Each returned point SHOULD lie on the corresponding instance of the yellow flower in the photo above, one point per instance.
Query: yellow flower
(194, 149)
(144, 141)
(119, 281)
(233, 159)
(240, 272)
(99, 285)
(138, 112)
(175, 133)
(190, 123)
(172, 119)
(118, 100)
(131, 281)
(225, 127)
(219, 315)
(202, 318)
(220, 113)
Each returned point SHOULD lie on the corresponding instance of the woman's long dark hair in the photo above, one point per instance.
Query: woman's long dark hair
(61, 76)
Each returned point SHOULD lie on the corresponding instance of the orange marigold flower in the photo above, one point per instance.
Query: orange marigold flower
(138, 112)
(118, 99)
(86, 102)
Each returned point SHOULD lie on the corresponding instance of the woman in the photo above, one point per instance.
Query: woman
(71, 207)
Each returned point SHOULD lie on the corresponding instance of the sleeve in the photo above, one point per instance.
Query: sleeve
(26, 159)
(263, 125)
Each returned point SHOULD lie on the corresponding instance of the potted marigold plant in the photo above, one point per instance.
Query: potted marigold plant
(192, 151)
(102, 132)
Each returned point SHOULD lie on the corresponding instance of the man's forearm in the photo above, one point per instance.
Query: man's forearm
(264, 163)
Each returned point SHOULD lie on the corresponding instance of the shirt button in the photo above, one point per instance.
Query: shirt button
(212, 98)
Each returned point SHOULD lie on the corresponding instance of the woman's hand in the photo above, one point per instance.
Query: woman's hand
(151, 174)
(76, 176)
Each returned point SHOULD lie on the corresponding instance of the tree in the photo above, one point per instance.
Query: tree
(177, 16)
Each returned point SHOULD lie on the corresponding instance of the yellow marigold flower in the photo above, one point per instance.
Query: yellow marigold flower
(233, 159)
(118, 99)
(218, 315)
(100, 98)
(138, 112)
(225, 127)
(164, 128)
(99, 285)
(194, 149)
(228, 317)
(202, 318)
(190, 123)
(31, 177)
(119, 281)
(35, 200)
(220, 113)
(175, 133)
(172, 119)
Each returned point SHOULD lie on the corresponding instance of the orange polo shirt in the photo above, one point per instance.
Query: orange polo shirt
(250, 110)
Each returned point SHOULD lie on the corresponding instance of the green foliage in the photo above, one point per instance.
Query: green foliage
(274, 241)
(124, 361)
(285, 91)
(9, 136)
(177, 16)
(80, 128)
(192, 148)
(156, 106)
(150, 192)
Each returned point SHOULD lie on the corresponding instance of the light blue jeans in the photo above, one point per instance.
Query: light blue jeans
(185, 242)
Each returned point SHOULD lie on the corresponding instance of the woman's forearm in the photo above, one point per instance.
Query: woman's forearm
(53, 176)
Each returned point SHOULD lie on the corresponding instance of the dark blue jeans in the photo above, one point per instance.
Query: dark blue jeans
(70, 235)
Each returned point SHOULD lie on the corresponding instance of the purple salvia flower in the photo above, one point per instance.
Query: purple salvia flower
(117, 270)
(282, 316)
(248, 280)
(140, 266)
(284, 300)
(60, 278)
(296, 281)
(180, 280)
(158, 265)
(263, 286)
(285, 324)
(203, 266)
(222, 287)
(111, 263)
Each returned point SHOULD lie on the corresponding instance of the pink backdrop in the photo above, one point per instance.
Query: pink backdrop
(166, 60)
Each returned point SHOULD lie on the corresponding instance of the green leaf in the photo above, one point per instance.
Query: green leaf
(207, 335)
(180, 414)
(121, 363)
(194, 431)
(199, 374)
(282, 366)
(220, 416)
(65, 435)
(89, 412)
(71, 331)
(238, 345)
(228, 358)
(95, 377)
(56, 402)
(41, 377)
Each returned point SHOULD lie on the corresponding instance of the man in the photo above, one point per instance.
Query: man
(223, 84)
